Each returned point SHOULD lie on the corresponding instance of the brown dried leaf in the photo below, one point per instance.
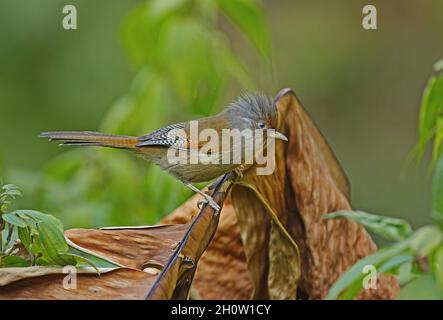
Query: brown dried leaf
(255, 244)
(121, 283)
(10, 275)
(284, 264)
(134, 248)
(319, 186)
(272, 255)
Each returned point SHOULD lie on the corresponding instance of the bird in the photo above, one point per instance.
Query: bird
(250, 111)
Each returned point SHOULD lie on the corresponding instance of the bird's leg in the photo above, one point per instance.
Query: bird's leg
(235, 175)
(214, 184)
(207, 198)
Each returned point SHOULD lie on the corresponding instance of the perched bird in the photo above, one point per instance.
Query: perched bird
(255, 112)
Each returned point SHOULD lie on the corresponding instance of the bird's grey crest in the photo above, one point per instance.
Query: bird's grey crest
(256, 106)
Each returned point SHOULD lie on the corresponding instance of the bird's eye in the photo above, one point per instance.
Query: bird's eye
(261, 125)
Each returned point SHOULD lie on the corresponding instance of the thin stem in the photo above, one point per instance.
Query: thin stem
(9, 236)
(2, 226)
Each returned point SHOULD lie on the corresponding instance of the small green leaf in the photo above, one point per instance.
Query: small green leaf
(438, 66)
(425, 240)
(391, 264)
(351, 282)
(431, 108)
(13, 261)
(10, 190)
(79, 260)
(422, 288)
(8, 236)
(437, 193)
(42, 235)
(24, 235)
(421, 243)
(160, 8)
(392, 229)
(91, 258)
(406, 274)
(438, 139)
(14, 220)
(53, 245)
(437, 265)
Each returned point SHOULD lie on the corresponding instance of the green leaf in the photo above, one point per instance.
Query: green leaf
(160, 8)
(438, 66)
(438, 139)
(430, 110)
(392, 229)
(248, 16)
(391, 264)
(8, 237)
(91, 259)
(24, 235)
(437, 193)
(79, 260)
(351, 282)
(425, 240)
(43, 236)
(13, 261)
(53, 245)
(14, 220)
(423, 288)
(10, 190)
(406, 274)
(421, 243)
(437, 265)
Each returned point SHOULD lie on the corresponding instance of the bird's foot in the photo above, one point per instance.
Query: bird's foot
(239, 172)
(211, 202)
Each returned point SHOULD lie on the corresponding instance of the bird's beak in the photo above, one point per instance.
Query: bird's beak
(278, 135)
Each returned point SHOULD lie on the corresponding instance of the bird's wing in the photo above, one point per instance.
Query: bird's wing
(179, 135)
(173, 135)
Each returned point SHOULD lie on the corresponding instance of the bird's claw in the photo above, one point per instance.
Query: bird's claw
(208, 200)
(239, 172)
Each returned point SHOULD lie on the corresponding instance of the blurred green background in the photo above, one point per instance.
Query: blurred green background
(134, 66)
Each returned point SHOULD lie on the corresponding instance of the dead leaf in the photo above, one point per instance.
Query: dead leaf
(10, 275)
(320, 186)
(134, 248)
(121, 283)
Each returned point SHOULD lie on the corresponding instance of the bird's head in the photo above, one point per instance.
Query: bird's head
(256, 112)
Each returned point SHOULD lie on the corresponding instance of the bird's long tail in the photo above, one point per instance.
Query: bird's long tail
(87, 138)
